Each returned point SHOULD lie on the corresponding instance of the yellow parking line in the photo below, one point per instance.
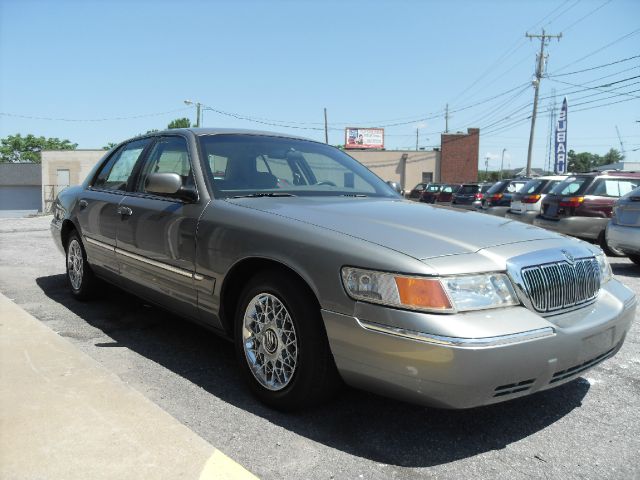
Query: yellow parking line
(220, 467)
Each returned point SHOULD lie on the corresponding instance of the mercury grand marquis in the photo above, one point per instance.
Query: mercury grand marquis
(320, 273)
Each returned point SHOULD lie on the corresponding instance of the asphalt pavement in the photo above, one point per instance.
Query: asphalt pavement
(589, 428)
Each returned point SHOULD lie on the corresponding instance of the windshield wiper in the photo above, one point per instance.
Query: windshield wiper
(264, 194)
(359, 195)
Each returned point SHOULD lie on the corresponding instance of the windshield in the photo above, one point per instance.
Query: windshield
(253, 165)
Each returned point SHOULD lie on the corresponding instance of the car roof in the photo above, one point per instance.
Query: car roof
(227, 131)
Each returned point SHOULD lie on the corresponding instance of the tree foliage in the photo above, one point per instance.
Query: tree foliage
(180, 123)
(109, 146)
(16, 148)
(587, 161)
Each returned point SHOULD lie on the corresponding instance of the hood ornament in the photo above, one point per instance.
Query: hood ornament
(570, 258)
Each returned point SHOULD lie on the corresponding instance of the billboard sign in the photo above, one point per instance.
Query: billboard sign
(364, 138)
(561, 140)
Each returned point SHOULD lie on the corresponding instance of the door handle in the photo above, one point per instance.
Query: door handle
(125, 211)
(83, 204)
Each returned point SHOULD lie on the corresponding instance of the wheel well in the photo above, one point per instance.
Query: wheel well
(67, 228)
(236, 279)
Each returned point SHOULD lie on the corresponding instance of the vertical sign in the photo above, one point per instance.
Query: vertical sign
(561, 140)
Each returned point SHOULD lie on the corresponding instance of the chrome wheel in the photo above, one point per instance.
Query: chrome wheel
(75, 264)
(269, 341)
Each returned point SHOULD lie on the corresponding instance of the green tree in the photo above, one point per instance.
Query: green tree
(109, 146)
(612, 156)
(583, 161)
(180, 123)
(16, 148)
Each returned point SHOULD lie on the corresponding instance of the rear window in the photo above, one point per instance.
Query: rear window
(515, 187)
(550, 186)
(433, 188)
(466, 189)
(533, 187)
(485, 188)
(572, 185)
(496, 188)
(613, 187)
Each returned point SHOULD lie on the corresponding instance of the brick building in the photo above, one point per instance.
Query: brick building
(459, 156)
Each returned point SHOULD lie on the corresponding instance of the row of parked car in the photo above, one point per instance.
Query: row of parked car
(602, 207)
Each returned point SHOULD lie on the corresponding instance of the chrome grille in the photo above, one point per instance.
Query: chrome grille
(561, 285)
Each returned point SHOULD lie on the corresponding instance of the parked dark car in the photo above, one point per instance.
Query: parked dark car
(415, 193)
(439, 193)
(470, 195)
(498, 198)
(581, 206)
(525, 205)
(623, 230)
(320, 273)
(447, 192)
(431, 193)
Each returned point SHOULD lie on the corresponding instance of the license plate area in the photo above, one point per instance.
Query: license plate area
(597, 344)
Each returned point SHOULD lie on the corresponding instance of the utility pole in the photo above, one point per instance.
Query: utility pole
(544, 39)
(326, 130)
(502, 162)
(486, 168)
(446, 119)
(621, 144)
(417, 129)
(198, 107)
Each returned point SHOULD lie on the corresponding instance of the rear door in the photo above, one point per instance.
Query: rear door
(97, 210)
(156, 241)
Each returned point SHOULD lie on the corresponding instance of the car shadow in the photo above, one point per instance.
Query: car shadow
(625, 269)
(358, 423)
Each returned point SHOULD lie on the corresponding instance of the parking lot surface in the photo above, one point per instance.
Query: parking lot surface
(589, 428)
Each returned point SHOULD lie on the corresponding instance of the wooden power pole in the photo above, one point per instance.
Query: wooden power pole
(544, 39)
(326, 130)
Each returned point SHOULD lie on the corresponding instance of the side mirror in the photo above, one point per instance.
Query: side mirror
(170, 184)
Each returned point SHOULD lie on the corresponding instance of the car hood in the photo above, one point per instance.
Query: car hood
(415, 229)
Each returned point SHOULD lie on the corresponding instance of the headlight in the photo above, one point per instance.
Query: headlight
(444, 294)
(605, 268)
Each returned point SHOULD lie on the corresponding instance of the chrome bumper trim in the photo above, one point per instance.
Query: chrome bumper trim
(98, 243)
(458, 341)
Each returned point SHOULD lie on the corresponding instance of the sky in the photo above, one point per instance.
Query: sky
(99, 72)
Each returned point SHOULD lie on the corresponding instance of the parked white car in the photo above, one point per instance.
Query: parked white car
(525, 204)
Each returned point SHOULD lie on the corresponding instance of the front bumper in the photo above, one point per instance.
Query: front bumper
(472, 373)
(581, 227)
(624, 238)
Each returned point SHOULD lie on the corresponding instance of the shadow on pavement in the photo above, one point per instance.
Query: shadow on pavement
(356, 422)
(626, 269)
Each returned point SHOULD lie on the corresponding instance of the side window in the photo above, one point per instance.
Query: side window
(614, 188)
(169, 155)
(116, 172)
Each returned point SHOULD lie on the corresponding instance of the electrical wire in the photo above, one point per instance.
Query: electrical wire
(106, 119)
(553, 75)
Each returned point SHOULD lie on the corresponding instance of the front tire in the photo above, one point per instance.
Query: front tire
(281, 343)
(80, 277)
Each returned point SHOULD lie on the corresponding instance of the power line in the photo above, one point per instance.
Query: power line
(594, 68)
(585, 16)
(601, 89)
(630, 34)
(106, 119)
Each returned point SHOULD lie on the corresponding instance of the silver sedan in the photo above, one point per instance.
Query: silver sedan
(320, 273)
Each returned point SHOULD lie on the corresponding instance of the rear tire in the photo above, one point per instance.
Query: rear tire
(80, 277)
(281, 343)
(610, 251)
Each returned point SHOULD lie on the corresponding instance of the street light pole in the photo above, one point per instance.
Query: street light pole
(198, 110)
(502, 162)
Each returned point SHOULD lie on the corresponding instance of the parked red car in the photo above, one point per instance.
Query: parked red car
(581, 205)
(431, 193)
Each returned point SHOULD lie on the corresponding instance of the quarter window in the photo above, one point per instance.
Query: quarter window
(116, 172)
